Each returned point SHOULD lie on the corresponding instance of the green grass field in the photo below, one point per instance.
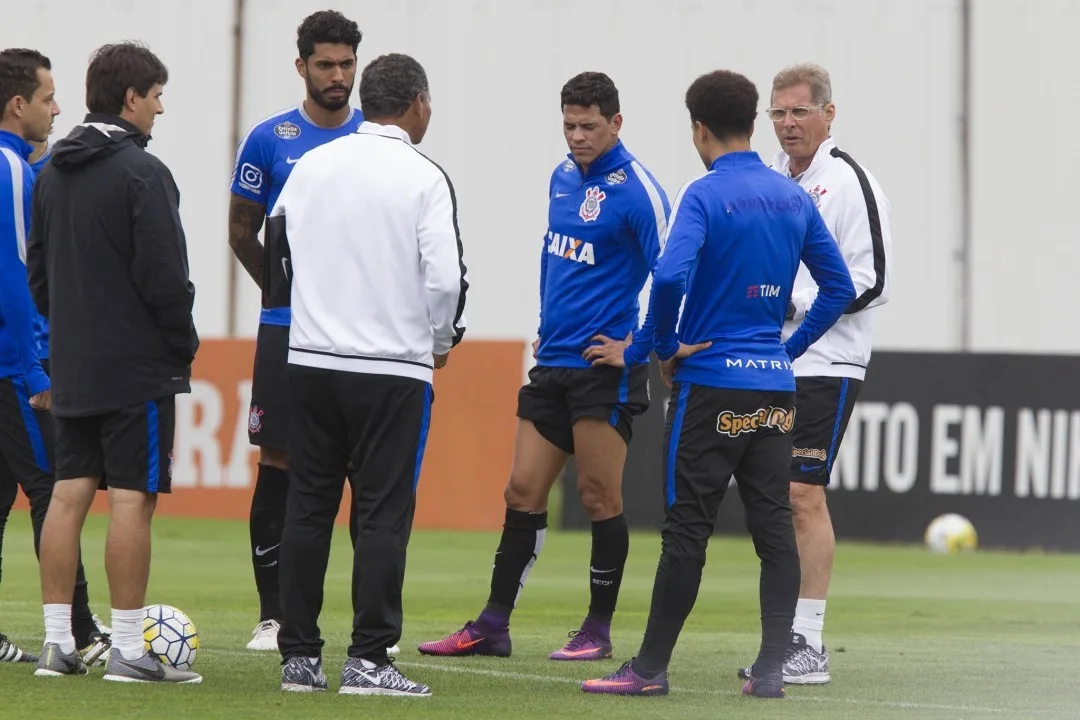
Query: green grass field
(912, 635)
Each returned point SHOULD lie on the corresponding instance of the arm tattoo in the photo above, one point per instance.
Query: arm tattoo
(245, 222)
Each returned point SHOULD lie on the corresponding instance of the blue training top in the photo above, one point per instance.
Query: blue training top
(737, 236)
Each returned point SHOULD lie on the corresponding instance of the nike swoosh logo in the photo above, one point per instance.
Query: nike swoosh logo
(156, 674)
(259, 552)
(810, 468)
(601, 572)
(291, 161)
(560, 194)
(463, 645)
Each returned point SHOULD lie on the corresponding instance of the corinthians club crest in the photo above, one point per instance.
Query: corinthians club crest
(816, 194)
(590, 207)
(254, 419)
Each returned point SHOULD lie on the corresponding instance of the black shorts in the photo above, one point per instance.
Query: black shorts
(130, 449)
(26, 445)
(268, 415)
(824, 406)
(712, 434)
(556, 397)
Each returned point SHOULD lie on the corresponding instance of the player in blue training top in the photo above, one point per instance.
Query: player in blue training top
(27, 111)
(606, 221)
(737, 236)
(327, 43)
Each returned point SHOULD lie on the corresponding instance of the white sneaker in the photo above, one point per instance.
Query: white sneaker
(265, 636)
(393, 650)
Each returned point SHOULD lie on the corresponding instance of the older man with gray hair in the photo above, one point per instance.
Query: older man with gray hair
(829, 376)
(366, 229)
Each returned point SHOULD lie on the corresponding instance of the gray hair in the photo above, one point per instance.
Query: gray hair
(810, 74)
(390, 84)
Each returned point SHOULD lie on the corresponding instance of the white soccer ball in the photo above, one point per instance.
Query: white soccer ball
(951, 533)
(170, 636)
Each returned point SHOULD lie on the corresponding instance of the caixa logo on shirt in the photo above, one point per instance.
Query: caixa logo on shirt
(570, 248)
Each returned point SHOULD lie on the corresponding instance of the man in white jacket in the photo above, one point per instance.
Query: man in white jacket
(829, 376)
(366, 228)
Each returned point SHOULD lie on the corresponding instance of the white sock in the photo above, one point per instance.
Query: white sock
(127, 633)
(58, 626)
(809, 620)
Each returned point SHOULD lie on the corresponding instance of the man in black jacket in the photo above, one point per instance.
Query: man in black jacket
(107, 262)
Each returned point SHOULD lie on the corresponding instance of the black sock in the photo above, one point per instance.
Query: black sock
(522, 537)
(265, 526)
(82, 620)
(610, 546)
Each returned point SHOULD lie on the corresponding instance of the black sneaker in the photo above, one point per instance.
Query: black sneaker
(359, 679)
(10, 652)
(301, 674)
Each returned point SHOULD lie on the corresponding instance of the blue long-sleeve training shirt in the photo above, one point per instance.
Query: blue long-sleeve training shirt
(18, 342)
(605, 231)
(736, 238)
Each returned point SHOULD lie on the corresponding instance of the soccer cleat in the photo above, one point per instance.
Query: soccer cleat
(804, 665)
(10, 652)
(146, 669)
(265, 636)
(584, 645)
(393, 650)
(54, 662)
(625, 681)
(102, 627)
(301, 674)
(357, 679)
(469, 641)
(767, 686)
(97, 652)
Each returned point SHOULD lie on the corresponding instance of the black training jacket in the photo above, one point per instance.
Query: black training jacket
(108, 267)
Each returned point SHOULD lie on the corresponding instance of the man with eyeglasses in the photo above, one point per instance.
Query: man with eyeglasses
(829, 376)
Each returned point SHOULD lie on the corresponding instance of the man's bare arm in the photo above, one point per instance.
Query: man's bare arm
(245, 221)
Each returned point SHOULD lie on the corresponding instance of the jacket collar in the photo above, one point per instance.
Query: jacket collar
(735, 159)
(611, 159)
(389, 131)
(16, 143)
(782, 162)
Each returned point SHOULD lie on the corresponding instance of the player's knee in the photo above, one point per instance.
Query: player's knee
(601, 497)
(807, 501)
(525, 492)
(274, 458)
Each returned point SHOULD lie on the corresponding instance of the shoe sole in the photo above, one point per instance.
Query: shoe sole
(126, 679)
(580, 658)
(292, 687)
(262, 648)
(380, 691)
(817, 678)
(465, 653)
(43, 672)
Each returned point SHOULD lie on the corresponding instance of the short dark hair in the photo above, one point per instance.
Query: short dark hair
(725, 102)
(390, 84)
(115, 68)
(326, 26)
(591, 88)
(18, 73)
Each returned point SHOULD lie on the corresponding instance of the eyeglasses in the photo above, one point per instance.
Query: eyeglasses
(799, 113)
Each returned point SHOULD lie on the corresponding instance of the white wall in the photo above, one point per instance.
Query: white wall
(1026, 146)
(496, 67)
(194, 40)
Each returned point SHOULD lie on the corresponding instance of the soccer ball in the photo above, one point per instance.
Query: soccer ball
(170, 636)
(951, 533)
